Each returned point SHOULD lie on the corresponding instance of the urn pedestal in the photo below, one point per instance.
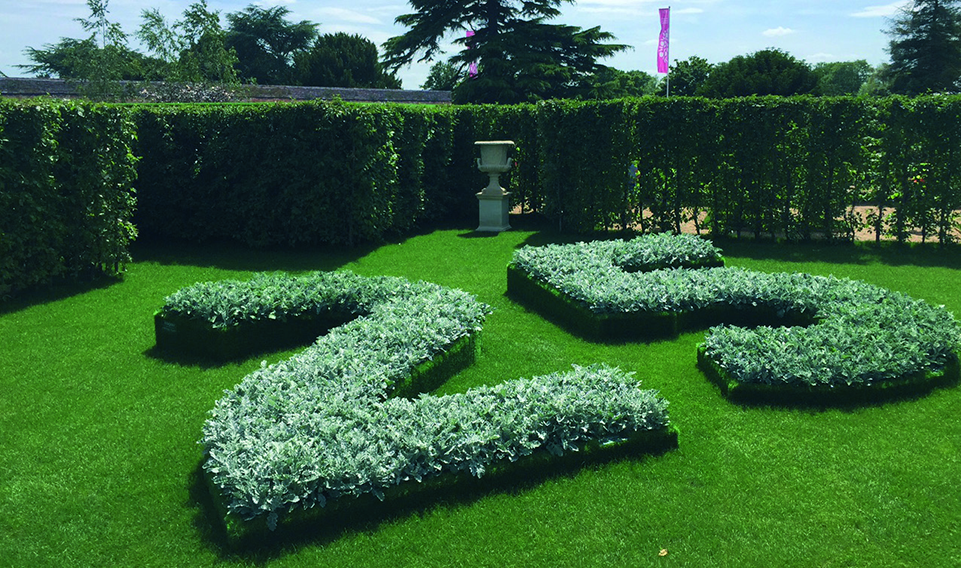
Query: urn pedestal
(494, 200)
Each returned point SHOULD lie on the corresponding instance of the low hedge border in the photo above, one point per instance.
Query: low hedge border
(578, 317)
(832, 334)
(330, 422)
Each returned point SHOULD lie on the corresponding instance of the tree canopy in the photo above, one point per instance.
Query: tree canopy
(687, 76)
(99, 61)
(443, 76)
(194, 47)
(616, 84)
(840, 78)
(343, 60)
(766, 72)
(265, 43)
(520, 56)
(69, 59)
(925, 48)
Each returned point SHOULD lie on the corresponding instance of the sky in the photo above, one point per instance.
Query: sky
(717, 30)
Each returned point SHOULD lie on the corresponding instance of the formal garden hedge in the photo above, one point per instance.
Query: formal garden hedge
(66, 191)
(793, 168)
(335, 173)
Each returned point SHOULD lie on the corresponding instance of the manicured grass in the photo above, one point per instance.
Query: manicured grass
(99, 460)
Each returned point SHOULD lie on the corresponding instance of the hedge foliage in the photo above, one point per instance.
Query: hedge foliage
(793, 167)
(317, 172)
(323, 425)
(336, 173)
(66, 191)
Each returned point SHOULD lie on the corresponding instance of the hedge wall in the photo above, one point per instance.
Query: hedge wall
(794, 168)
(317, 172)
(760, 166)
(337, 173)
(66, 191)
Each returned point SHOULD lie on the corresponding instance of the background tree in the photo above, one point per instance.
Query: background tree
(688, 75)
(842, 77)
(877, 83)
(98, 62)
(69, 59)
(443, 76)
(265, 43)
(766, 72)
(616, 84)
(194, 48)
(520, 56)
(343, 60)
(925, 48)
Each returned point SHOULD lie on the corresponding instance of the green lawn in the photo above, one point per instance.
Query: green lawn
(99, 454)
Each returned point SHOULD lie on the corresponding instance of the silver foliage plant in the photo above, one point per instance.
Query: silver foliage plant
(322, 425)
(863, 333)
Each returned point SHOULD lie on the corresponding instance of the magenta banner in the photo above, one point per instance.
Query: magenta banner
(664, 42)
(472, 68)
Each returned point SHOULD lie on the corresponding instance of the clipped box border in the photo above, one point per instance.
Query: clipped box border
(578, 318)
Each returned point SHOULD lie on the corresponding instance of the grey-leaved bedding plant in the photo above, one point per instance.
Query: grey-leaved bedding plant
(322, 425)
(863, 334)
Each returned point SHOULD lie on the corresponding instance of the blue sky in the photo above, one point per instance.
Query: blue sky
(813, 30)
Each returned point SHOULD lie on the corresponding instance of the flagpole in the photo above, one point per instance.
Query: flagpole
(663, 47)
(668, 57)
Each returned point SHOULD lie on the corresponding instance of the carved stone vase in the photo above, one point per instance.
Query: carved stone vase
(494, 200)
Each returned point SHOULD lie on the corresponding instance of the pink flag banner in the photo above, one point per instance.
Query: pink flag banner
(472, 68)
(664, 42)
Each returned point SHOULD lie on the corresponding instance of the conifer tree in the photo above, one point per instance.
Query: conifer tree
(520, 56)
(925, 48)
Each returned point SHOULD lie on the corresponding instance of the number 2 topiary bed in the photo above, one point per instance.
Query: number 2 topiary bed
(343, 419)
(799, 338)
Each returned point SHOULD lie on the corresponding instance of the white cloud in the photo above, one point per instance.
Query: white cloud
(820, 58)
(884, 11)
(344, 15)
(618, 3)
(777, 32)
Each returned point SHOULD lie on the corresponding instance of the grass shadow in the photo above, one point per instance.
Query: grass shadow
(54, 292)
(206, 362)
(845, 402)
(233, 256)
(366, 514)
(927, 255)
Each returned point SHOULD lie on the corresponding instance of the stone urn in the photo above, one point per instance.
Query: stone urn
(494, 200)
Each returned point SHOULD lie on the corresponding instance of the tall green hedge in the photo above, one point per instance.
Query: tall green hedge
(319, 172)
(66, 191)
(330, 172)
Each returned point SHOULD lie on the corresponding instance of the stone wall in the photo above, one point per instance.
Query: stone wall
(30, 87)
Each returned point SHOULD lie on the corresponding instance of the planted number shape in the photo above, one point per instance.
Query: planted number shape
(326, 425)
